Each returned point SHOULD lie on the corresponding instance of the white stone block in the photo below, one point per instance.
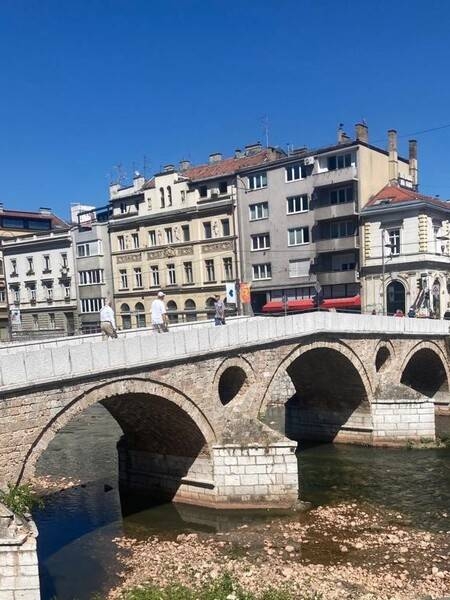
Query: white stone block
(13, 369)
(132, 347)
(149, 350)
(165, 345)
(38, 365)
(231, 460)
(232, 480)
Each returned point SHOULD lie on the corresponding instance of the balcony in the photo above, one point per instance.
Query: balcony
(334, 177)
(341, 244)
(335, 211)
(338, 277)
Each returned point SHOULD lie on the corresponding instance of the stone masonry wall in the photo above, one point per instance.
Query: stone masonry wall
(19, 574)
(403, 420)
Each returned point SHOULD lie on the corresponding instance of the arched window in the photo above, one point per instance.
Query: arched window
(163, 200)
(189, 307)
(126, 316)
(169, 196)
(172, 311)
(395, 293)
(140, 315)
(210, 310)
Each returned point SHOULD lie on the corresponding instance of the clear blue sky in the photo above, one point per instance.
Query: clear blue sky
(89, 84)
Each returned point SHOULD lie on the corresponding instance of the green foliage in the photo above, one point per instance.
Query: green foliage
(223, 588)
(20, 499)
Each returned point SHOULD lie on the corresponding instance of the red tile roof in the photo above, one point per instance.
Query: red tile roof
(221, 168)
(393, 194)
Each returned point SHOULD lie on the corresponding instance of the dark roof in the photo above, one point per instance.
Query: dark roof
(396, 194)
(56, 222)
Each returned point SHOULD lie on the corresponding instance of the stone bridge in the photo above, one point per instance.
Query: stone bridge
(212, 415)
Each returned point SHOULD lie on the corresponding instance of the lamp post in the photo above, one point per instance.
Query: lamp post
(383, 270)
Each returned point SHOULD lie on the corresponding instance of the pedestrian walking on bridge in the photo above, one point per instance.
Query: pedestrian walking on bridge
(107, 321)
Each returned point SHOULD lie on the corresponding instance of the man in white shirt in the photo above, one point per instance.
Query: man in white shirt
(107, 321)
(159, 314)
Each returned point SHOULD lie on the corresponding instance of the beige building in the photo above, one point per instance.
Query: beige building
(177, 232)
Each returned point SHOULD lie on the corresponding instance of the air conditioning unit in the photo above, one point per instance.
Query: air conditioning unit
(309, 160)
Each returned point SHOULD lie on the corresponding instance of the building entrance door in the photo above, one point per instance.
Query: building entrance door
(395, 293)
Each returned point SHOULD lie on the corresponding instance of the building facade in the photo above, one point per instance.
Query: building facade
(42, 292)
(178, 233)
(405, 253)
(299, 218)
(93, 266)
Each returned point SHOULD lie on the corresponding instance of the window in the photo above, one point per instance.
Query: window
(85, 250)
(47, 268)
(297, 236)
(339, 161)
(228, 268)
(203, 191)
(262, 271)
(186, 234)
(163, 200)
(342, 229)
(35, 321)
(123, 279)
(30, 265)
(169, 196)
(188, 274)
(394, 241)
(64, 262)
(16, 293)
(123, 208)
(14, 267)
(295, 172)
(210, 271)
(2, 296)
(183, 196)
(126, 316)
(223, 187)
(299, 268)
(152, 238)
(171, 274)
(207, 233)
(90, 277)
(67, 292)
(49, 293)
(140, 315)
(225, 227)
(257, 181)
(297, 204)
(169, 235)
(91, 305)
(32, 293)
(135, 240)
(51, 321)
(260, 241)
(137, 277)
(341, 196)
(154, 274)
(259, 211)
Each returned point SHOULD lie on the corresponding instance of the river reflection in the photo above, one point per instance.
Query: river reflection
(77, 526)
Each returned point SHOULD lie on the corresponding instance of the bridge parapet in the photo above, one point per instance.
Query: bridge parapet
(58, 361)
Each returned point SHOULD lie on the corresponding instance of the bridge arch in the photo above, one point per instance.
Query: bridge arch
(330, 394)
(114, 395)
(425, 369)
(384, 355)
(232, 379)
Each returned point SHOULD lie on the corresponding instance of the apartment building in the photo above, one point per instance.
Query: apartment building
(92, 264)
(299, 220)
(39, 269)
(15, 223)
(178, 232)
(405, 252)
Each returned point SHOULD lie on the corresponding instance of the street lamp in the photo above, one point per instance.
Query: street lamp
(391, 246)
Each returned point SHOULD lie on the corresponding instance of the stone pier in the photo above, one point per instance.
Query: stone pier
(19, 575)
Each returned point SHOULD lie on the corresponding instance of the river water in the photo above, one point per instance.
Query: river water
(77, 526)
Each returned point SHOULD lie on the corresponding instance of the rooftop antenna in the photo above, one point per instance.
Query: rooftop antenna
(265, 123)
(120, 173)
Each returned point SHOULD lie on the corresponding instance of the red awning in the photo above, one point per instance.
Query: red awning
(353, 302)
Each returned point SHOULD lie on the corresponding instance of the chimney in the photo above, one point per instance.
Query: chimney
(138, 180)
(252, 149)
(342, 136)
(45, 211)
(185, 165)
(413, 171)
(238, 153)
(168, 168)
(362, 132)
(215, 157)
(114, 189)
(393, 156)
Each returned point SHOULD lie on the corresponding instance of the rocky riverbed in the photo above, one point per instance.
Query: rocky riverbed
(343, 552)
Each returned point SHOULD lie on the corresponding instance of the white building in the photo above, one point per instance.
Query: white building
(42, 291)
(405, 252)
